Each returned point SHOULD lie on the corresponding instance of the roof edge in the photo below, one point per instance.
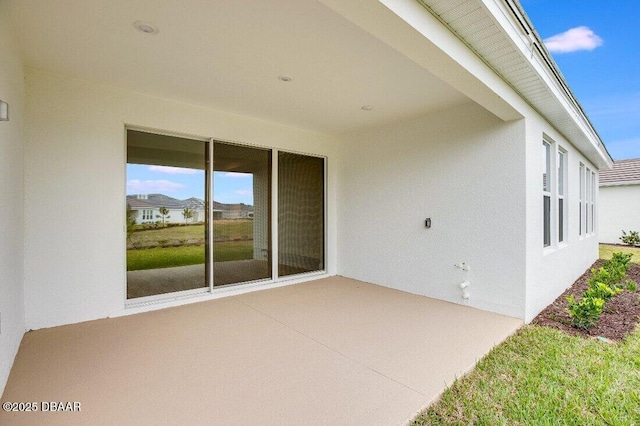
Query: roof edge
(621, 183)
(544, 89)
(521, 15)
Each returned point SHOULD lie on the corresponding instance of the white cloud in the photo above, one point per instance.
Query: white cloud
(244, 192)
(173, 170)
(237, 175)
(579, 38)
(152, 186)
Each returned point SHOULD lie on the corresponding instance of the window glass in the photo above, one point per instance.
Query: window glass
(300, 213)
(546, 188)
(582, 200)
(241, 214)
(560, 173)
(547, 220)
(561, 220)
(546, 166)
(593, 201)
(588, 201)
(167, 225)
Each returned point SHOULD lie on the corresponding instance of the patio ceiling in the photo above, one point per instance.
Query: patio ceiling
(228, 55)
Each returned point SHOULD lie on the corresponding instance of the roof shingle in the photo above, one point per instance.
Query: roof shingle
(622, 171)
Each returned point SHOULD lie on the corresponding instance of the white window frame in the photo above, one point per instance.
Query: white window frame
(583, 225)
(593, 203)
(588, 201)
(562, 188)
(555, 191)
(547, 189)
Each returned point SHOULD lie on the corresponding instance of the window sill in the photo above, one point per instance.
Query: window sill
(586, 237)
(548, 250)
(554, 248)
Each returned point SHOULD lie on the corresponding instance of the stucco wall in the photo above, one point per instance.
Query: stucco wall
(551, 270)
(75, 152)
(12, 325)
(464, 169)
(618, 210)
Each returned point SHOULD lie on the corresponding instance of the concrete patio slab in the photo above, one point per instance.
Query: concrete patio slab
(332, 351)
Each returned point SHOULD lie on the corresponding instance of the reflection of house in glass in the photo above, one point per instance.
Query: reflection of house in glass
(232, 211)
(145, 208)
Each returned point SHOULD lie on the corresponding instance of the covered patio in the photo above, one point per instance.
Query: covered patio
(329, 351)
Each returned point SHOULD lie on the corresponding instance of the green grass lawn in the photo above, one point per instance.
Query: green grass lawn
(222, 230)
(606, 250)
(542, 376)
(161, 257)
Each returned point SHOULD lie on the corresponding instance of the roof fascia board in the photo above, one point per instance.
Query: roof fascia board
(408, 28)
(621, 183)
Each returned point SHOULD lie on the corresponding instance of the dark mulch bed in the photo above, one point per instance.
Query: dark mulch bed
(620, 316)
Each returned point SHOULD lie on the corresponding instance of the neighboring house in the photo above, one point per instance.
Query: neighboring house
(619, 201)
(359, 123)
(146, 208)
(232, 211)
(196, 205)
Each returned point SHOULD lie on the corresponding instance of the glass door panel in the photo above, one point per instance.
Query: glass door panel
(166, 214)
(241, 214)
(300, 214)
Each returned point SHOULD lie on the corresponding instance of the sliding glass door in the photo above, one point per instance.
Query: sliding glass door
(199, 214)
(166, 214)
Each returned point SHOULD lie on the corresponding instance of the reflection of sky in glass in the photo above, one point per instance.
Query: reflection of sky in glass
(183, 183)
(546, 163)
(229, 187)
(560, 173)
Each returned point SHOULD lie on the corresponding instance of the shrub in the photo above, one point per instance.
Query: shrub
(618, 267)
(613, 272)
(621, 259)
(599, 290)
(585, 313)
(632, 238)
(605, 283)
(600, 275)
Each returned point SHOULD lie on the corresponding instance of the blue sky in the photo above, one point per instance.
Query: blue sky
(596, 48)
(183, 183)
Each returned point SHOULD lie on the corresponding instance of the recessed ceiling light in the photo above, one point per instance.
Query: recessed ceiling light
(366, 107)
(285, 78)
(146, 27)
